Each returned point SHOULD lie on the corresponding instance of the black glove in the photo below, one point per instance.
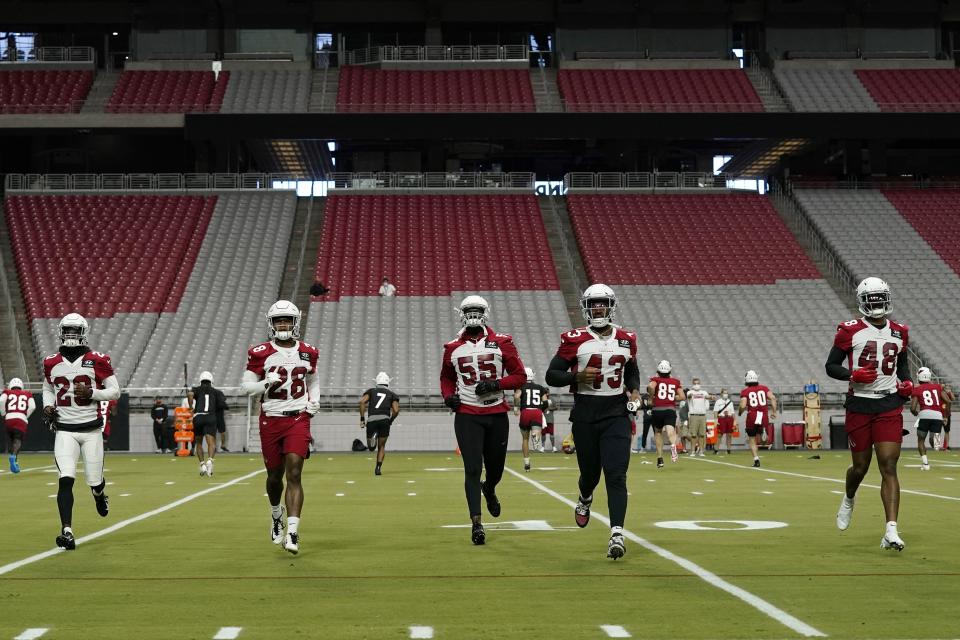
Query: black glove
(452, 401)
(487, 386)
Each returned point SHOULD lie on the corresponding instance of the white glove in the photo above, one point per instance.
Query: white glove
(271, 377)
(633, 406)
(312, 407)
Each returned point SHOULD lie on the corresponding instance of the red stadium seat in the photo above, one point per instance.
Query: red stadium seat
(913, 89)
(933, 214)
(168, 92)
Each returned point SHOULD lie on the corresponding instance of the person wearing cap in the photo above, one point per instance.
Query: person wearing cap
(379, 407)
(16, 405)
(203, 401)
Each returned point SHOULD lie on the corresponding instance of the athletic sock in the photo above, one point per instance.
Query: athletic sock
(847, 502)
(756, 457)
(67, 530)
(924, 459)
(292, 524)
(616, 531)
(526, 461)
(276, 511)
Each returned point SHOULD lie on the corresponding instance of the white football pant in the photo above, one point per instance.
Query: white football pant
(67, 447)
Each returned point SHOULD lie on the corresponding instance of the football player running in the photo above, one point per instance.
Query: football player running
(871, 352)
(16, 406)
(760, 405)
(664, 392)
(599, 363)
(529, 401)
(927, 405)
(379, 408)
(75, 380)
(478, 366)
(283, 372)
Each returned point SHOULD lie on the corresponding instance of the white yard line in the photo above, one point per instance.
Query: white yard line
(421, 632)
(615, 631)
(758, 603)
(6, 472)
(7, 568)
(32, 634)
(837, 480)
(228, 633)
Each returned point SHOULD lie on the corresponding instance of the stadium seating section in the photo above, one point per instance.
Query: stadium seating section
(878, 234)
(830, 90)
(41, 91)
(274, 91)
(168, 92)
(363, 89)
(437, 249)
(657, 90)
(913, 89)
(706, 290)
(685, 239)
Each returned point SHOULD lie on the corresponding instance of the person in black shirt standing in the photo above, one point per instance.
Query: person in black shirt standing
(221, 420)
(603, 359)
(379, 407)
(159, 415)
(529, 401)
(203, 402)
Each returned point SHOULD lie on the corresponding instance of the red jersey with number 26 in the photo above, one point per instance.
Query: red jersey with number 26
(866, 344)
(757, 396)
(583, 348)
(665, 392)
(91, 368)
(293, 365)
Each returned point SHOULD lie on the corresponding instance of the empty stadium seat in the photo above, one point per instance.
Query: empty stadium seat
(267, 91)
(43, 91)
(168, 92)
(657, 90)
(913, 89)
(832, 90)
(363, 89)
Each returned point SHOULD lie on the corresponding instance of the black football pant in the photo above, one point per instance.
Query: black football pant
(604, 446)
(158, 435)
(483, 442)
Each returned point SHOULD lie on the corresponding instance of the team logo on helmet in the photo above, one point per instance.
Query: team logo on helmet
(283, 309)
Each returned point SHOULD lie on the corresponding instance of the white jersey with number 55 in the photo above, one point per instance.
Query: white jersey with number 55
(297, 368)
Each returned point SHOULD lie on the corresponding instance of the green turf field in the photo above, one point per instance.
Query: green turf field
(380, 555)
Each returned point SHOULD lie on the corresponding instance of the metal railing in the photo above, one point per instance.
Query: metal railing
(590, 106)
(436, 107)
(643, 180)
(50, 54)
(459, 180)
(149, 181)
(438, 53)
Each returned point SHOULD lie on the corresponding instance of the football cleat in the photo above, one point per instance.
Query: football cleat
(844, 513)
(477, 534)
(581, 512)
(659, 463)
(756, 462)
(673, 453)
(210, 467)
(924, 467)
(292, 543)
(892, 540)
(66, 541)
(276, 527)
(203, 469)
(616, 548)
(554, 450)
(701, 454)
(14, 465)
(526, 467)
(103, 504)
(376, 471)
(493, 502)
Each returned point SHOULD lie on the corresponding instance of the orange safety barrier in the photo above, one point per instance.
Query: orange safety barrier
(183, 426)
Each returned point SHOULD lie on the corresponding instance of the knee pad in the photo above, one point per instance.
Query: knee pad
(66, 484)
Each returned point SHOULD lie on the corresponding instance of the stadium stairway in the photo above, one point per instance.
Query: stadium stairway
(766, 87)
(8, 355)
(304, 239)
(869, 236)
(571, 274)
(324, 84)
(546, 95)
(103, 86)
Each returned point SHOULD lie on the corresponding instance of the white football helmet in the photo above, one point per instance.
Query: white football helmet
(283, 309)
(206, 375)
(382, 379)
(923, 375)
(873, 298)
(72, 330)
(529, 373)
(474, 312)
(664, 367)
(598, 297)
(751, 377)
(15, 383)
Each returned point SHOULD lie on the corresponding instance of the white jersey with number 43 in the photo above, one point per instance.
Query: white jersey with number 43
(293, 365)
(583, 348)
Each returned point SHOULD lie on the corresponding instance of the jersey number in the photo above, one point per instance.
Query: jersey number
(756, 400)
(869, 355)
(616, 361)
(64, 397)
(666, 391)
(380, 398)
(533, 397)
(17, 404)
(468, 371)
(930, 398)
(297, 384)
